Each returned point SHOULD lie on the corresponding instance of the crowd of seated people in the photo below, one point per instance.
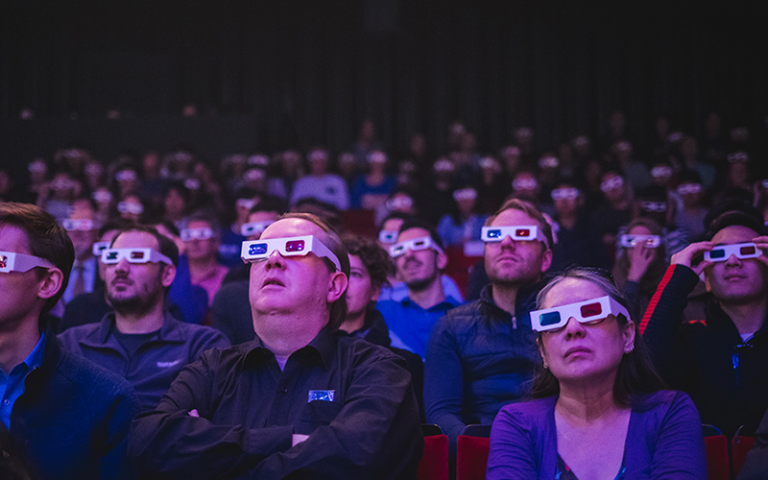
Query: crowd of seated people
(197, 287)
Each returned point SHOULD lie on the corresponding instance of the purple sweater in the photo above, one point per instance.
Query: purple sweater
(664, 440)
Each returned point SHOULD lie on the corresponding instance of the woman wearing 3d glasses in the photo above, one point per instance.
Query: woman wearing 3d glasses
(599, 411)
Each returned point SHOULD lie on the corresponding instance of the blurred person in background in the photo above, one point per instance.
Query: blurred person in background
(613, 212)
(201, 245)
(370, 191)
(690, 215)
(576, 239)
(320, 184)
(463, 224)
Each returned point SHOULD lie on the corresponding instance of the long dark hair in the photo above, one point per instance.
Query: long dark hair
(636, 375)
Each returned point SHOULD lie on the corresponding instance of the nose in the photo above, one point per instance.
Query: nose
(574, 329)
(733, 261)
(123, 265)
(275, 260)
(507, 242)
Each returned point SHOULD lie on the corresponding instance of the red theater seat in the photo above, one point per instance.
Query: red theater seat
(741, 444)
(434, 461)
(472, 448)
(716, 446)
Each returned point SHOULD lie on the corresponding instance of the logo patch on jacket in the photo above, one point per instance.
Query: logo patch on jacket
(168, 364)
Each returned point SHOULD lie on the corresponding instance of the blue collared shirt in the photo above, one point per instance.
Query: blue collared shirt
(12, 386)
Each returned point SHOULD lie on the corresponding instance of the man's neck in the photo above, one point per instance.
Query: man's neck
(748, 317)
(505, 296)
(144, 322)
(278, 340)
(17, 343)
(430, 296)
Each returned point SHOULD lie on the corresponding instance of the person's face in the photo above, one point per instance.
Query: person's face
(20, 291)
(174, 203)
(512, 262)
(640, 230)
(132, 200)
(260, 217)
(568, 206)
(137, 287)
(737, 173)
(579, 353)
(391, 225)
(318, 164)
(206, 249)
(82, 240)
(616, 193)
(421, 268)
(736, 279)
(300, 286)
(108, 236)
(360, 291)
(525, 186)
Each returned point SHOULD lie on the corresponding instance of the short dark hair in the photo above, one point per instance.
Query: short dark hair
(414, 222)
(47, 239)
(205, 216)
(376, 260)
(529, 209)
(398, 215)
(736, 217)
(636, 374)
(167, 247)
(334, 243)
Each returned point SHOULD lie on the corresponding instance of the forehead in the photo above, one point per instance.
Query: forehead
(412, 233)
(511, 217)
(257, 217)
(734, 234)
(392, 225)
(13, 239)
(293, 227)
(134, 239)
(571, 290)
(356, 264)
(524, 176)
(639, 230)
(199, 224)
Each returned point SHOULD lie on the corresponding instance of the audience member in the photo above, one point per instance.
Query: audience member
(719, 360)
(297, 400)
(140, 340)
(370, 191)
(201, 245)
(420, 260)
(319, 184)
(69, 417)
(481, 355)
(464, 222)
(576, 239)
(599, 410)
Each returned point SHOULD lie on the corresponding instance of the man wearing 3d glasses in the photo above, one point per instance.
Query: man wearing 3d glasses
(298, 401)
(140, 340)
(481, 355)
(67, 416)
(720, 360)
(419, 258)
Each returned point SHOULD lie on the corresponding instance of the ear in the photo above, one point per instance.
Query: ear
(337, 285)
(546, 260)
(375, 293)
(441, 261)
(167, 275)
(51, 283)
(628, 336)
(542, 352)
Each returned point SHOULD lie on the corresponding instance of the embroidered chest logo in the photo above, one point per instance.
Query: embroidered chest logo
(168, 364)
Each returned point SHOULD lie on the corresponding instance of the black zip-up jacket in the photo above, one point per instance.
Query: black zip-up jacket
(726, 377)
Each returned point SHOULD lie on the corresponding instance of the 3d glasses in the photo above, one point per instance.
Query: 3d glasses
(71, 224)
(125, 175)
(399, 203)
(134, 208)
(246, 203)
(661, 172)
(111, 256)
(388, 236)
(19, 262)
(421, 243)
(650, 241)
(520, 233)
(657, 207)
(254, 228)
(257, 250)
(465, 194)
(689, 188)
(189, 234)
(99, 247)
(612, 183)
(721, 253)
(101, 196)
(588, 312)
(565, 193)
(524, 184)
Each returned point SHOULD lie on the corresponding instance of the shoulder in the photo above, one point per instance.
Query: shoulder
(664, 403)
(464, 316)
(526, 416)
(72, 336)
(90, 383)
(358, 353)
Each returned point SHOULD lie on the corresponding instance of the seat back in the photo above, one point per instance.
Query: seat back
(472, 448)
(741, 444)
(434, 461)
(716, 446)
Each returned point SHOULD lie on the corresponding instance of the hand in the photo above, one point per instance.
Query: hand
(298, 438)
(686, 256)
(640, 257)
(762, 243)
(193, 413)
